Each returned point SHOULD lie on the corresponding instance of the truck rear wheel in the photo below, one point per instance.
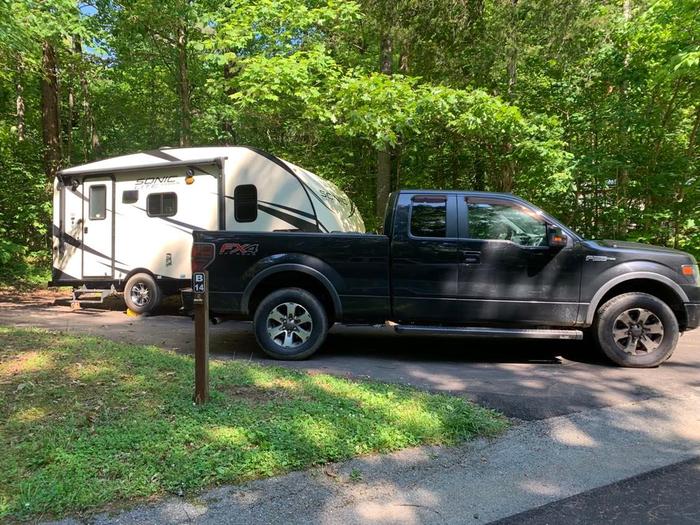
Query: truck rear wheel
(142, 294)
(290, 324)
(636, 330)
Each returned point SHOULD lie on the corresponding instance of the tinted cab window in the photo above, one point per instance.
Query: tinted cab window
(429, 216)
(505, 221)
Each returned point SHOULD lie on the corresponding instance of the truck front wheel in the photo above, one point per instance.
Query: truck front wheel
(290, 324)
(636, 330)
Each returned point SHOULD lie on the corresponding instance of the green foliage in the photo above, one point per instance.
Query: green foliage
(85, 421)
(590, 113)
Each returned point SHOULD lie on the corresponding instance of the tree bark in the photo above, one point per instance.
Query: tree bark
(623, 176)
(20, 104)
(507, 175)
(694, 131)
(479, 174)
(383, 154)
(91, 140)
(183, 85)
(69, 127)
(231, 70)
(50, 112)
(512, 60)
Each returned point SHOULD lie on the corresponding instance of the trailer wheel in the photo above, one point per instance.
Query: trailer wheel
(290, 324)
(142, 294)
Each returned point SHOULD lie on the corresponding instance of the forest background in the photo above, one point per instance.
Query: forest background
(590, 109)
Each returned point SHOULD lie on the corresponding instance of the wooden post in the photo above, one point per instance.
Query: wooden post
(200, 289)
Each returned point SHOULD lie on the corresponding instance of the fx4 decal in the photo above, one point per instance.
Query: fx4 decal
(234, 248)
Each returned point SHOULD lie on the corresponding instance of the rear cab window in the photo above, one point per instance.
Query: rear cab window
(429, 216)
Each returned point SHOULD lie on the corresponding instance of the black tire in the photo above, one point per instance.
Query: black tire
(142, 294)
(632, 313)
(306, 330)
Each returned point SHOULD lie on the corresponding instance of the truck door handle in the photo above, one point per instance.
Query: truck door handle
(471, 257)
(85, 229)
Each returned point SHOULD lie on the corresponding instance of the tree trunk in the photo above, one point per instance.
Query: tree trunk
(623, 175)
(694, 132)
(507, 179)
(383, 154)
(69, 127)
(231, 70)
(50, 112)
(507, 175)
(183, 85)
(20, 104)
(479, 174)
(91, 140)
(512, 58)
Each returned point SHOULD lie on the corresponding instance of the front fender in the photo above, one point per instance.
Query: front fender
(608, 279)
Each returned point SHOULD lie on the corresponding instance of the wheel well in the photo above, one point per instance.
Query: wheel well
(652, 287)
(292, 279)
(133, 272)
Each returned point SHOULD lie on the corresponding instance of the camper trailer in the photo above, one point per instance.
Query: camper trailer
(124, 224)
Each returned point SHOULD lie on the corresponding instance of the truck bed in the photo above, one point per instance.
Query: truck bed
(357, 266)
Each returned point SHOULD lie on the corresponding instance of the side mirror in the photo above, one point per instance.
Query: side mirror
(555, 238)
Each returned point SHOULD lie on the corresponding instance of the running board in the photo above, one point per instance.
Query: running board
(479, 331)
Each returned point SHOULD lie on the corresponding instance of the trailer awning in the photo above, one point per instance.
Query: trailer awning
(87, 170)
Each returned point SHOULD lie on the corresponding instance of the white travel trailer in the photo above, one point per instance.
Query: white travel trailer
(124, 224)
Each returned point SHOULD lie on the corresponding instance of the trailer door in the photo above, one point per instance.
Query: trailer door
(98, 228)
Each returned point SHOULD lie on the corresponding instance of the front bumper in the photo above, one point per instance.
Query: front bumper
(692, 314)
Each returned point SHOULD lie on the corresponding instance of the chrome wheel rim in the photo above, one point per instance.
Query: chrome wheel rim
(289, 325)
(140, 294)
(638, 331)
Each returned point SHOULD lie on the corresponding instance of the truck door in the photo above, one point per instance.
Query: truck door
(507, 272)
(97, 230)
(424, 263)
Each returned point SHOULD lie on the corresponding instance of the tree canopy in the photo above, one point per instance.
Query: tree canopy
(589, 109)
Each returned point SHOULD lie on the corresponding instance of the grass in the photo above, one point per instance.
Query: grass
(85, 422)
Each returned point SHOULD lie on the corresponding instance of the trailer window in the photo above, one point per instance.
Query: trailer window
(161, 204)
(130, 196)
(429, 216)
(245, 203)
(98, 202)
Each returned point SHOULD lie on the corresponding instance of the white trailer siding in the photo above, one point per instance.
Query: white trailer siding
(161, 242)
(106, 239)
(282, 202)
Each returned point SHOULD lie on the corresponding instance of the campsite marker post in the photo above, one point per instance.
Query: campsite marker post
(200, 291)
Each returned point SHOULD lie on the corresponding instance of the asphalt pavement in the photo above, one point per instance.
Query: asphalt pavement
(592, 442)
(668, 495)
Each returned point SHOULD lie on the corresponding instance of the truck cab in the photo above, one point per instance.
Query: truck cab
(468, 263)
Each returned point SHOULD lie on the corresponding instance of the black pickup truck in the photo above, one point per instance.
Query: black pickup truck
(465, 263)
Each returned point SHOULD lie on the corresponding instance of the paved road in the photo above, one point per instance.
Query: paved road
(669, 495)
(525, 379)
